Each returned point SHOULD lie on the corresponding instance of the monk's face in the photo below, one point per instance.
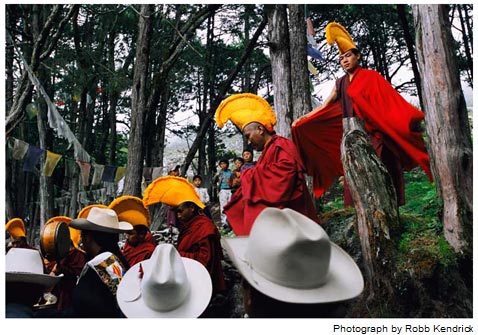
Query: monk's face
(133, 237)
(349, 61)
(184, 212)
(255, 135)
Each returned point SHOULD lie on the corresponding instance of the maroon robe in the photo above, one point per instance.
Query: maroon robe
(384, 111)
(199, 239)
(141, 252)
(71, 267)
(277, 180)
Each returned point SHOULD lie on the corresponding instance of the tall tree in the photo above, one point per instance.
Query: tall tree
(447, 124)
(279, 47)
(134, 170)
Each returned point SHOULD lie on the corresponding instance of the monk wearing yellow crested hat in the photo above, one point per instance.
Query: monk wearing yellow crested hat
(18, 239)
(277, 180)
(140, 243)
(199, 238)
(390, 121)
(70, 266)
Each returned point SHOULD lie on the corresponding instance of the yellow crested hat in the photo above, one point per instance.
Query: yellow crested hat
(335, 32)
(16, 228)
(172, 191)
(75, 234)
(83, 214)
(131, 209)
(242, 109)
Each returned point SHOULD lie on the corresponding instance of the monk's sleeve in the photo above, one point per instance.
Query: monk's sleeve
(200, 251)
(272, 182)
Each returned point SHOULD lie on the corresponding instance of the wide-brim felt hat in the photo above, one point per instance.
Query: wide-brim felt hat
(242, 109)
(290, 258)
(103, 220)
(131, 209)
(172, 191)
(83, 213)
(165, 286)
(26, 266)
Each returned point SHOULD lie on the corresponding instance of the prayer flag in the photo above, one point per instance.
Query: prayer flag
(50, 163)
(32, 157)
(85, 172)
(120, 172)
(98, 174)
(19, 149)
(109, 173)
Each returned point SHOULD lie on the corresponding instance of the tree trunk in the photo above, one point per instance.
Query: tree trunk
(134, 170)
(281, 67)
(301, 95)
(447, 123)
(375, 202)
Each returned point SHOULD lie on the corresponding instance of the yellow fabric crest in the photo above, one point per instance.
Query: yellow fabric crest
(131, 209)
(242, 109)
(335, 32)
(16, 228)
(172, 191)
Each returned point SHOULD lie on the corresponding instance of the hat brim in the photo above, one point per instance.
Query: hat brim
(32, 278)
(196, 302)
(84, 224)
(344, 280)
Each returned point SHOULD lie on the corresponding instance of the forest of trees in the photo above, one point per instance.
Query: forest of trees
(77, 74)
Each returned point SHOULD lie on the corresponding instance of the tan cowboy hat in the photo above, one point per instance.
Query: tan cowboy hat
(131, 209)
(165, 286)
(26, 266)
(242, 109)
(290, 258)
(85, 210)
(102, 219)
(16, 228)
(172, 191)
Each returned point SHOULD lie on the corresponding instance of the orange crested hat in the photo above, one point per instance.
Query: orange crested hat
(172, 191)
(131, 209)
(16, 228)
(75, 234)
(242, 109)
(83, 214)
(335, 32)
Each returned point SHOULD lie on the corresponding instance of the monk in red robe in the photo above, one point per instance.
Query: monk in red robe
(277, 180)
(390, 121)
(199, 239)
(140, 243)
(70, 267)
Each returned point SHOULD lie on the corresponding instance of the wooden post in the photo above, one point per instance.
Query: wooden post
(375, 202)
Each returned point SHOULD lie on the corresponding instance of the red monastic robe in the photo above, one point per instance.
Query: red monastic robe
(381, 107)
(140, 252)
(277, 180)
(199, 239)
(71, 267)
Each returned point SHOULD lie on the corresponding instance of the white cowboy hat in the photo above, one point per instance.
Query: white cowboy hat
(168, 286)
(26, 266)
(101, 219)
(290, 258)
